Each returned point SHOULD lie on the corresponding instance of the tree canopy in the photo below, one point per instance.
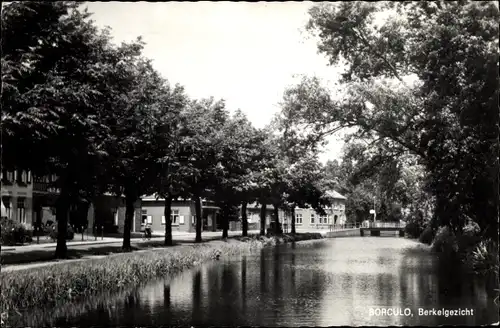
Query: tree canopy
(423, 81)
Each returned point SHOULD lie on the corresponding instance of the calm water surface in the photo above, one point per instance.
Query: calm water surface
(325, 283)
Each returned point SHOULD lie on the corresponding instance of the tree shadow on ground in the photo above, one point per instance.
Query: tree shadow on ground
(48, 255)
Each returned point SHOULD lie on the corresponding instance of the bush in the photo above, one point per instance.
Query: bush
(445, 242)
(70, 234)
(470, 238)
(426, 236)
(13, 233)
(415, 225)
(483, 258)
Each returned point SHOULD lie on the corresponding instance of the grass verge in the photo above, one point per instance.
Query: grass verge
(72, 281)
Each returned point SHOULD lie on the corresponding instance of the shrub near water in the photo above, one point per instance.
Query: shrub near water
(445, 242)
(67, 281)
(477, 255)
(415, 224)
(483, 259)
(427, 236)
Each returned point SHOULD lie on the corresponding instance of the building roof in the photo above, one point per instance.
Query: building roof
(335, 195)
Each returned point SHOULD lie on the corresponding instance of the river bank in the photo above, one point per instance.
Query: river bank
(71, 281)
(469, 252)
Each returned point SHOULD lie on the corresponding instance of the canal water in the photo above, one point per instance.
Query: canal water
(344, 281)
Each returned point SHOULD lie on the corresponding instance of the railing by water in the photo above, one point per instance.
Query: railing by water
(339, 227)
(384, 224)
(322, 227)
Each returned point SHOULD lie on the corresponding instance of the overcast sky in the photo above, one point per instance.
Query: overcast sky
(246, 53)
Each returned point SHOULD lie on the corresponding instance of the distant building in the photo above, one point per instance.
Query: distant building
(183, 215)
(308, 219)
(28, 200)
(17, 196)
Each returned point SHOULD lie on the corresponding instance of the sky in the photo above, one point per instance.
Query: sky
(246, 53)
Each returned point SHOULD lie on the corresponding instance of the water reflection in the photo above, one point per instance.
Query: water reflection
(325, 283)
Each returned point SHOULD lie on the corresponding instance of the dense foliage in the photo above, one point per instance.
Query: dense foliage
(102, 119)
(423, 81)
(13, 233)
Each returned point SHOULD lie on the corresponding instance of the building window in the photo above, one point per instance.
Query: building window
(323, 219)
(312, 218)
(28, 177)
(144, 217)
(10, 176)
(21, 212)
(174, 218)
(6, 203)
(193, 219)
(181, 219)
(298, 218)
(116, 217)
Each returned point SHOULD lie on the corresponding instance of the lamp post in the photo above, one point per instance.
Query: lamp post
(374, 212)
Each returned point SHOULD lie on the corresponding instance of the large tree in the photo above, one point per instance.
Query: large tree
(265, 180)
(133, 141)
(242, 156)
(170, 183)
(57, 71)
(305, 186)
(202, 150)
(423, 80)
(369, 179)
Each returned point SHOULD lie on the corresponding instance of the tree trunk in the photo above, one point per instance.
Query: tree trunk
(263, 220)
(276, 218)
(62, 208)
(293, 220)
(244, 219)
(197, 205)
(130, 199)
(168, 220)
(84, 214)
(225, 223)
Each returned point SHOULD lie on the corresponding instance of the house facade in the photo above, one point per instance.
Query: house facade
(183, 215)
(17, 196)
(308, 219)
(28, 200)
